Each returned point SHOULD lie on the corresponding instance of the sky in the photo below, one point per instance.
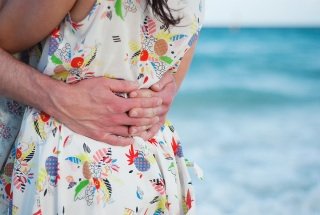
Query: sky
(262, 12)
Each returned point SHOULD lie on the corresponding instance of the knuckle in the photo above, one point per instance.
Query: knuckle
(143, 121)
(153, 112)
(148, 93)
(113, 119)
(98, 135)
(135, 112)
(111, 108)
(118, 107)
(156, 101)
(155, 120)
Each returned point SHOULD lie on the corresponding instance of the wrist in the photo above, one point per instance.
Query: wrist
(52, 91)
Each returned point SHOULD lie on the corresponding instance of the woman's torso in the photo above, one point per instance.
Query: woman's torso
(120, 39)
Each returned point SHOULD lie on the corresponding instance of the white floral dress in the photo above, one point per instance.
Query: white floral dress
(53, 170)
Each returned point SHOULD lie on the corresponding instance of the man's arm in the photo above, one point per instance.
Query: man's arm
(25, 23)
(100, 114)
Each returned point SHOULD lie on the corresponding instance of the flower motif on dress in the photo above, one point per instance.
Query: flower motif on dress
(73, 67)
(187, 202)
(123, 7)
(139, 159)
(96, 170)
(22, 170)
(162, 204)
(158, 52)
(176, 147)
(5, 179)
(15, 108)
(5, 131)
(129, 6)
(43, 123)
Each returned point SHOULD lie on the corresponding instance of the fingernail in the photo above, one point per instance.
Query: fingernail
(133, 113)
(133, 94)
(133, 131)
(157, 86)
(159, 102)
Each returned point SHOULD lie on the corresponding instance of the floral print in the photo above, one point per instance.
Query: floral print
(10, 119)
(53, 170)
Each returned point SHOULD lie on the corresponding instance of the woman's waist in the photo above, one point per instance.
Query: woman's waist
(46, 127)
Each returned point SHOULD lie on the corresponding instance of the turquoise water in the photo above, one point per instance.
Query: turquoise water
(249, 114)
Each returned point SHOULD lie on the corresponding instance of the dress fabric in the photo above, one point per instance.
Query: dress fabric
(53, 170)
(11, 113)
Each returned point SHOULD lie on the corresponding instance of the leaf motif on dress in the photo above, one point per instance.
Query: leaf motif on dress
(108, 188)
(67, 140)
(134, 46)
(56, 60)
(139, 193)
(80, 188)
(74, 160)
(28, 155)
(177, 37)
(159, 185)
(128, 211)
(91, 56)
(39, 128)
(149, 26)
(118, 9)
(193, 39)
(86, 148)
(166, 59)
(187, 202)
(109, 15)
(19, 180)
(103, 155)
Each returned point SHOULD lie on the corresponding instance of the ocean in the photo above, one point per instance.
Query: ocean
(248, 113)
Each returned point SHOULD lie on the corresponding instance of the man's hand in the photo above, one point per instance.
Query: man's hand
(91, 108)
(165, 89)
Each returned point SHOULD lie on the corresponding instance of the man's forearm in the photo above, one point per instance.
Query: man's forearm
(22, 83)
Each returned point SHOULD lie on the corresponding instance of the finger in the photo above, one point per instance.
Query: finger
(151, 132)
(122, 86)
(135, 130)
(144, 135)
(117, 140)
(129, 121)
(166, 79)
(131, 103)
(154, 129)
(142, 93)
(119, 130)
(147, 112)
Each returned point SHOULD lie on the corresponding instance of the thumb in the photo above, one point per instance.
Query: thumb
(122, 86)
(166, 79)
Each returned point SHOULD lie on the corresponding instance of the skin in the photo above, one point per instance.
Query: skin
(99, 114)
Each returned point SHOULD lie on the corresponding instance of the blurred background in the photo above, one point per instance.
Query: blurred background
(249, 110)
